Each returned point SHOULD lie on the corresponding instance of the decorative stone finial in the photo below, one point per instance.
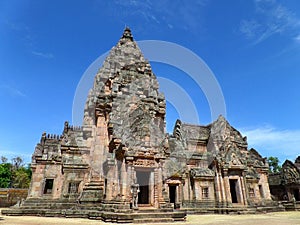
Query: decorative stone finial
(127, 34)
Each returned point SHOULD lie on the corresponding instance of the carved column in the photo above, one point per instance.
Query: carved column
(152, 186)
(157, 198)
(110, 183)
(218, 188)
(129, 182)
(182, 185)
(124, 183)
(222, 187)
(241, 195)
(180, 194)
(227, 188)
(244, 190)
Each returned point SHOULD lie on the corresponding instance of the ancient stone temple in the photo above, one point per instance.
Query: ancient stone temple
(122, 166)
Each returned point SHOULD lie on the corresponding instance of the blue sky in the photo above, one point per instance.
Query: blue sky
(252, 47)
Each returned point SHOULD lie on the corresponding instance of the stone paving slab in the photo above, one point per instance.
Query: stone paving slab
(278, 218)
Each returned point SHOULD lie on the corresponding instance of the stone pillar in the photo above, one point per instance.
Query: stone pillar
(179, 187)
(240, 192)
(110, 181)
(124, 182)
(157, 187)
(182, 198)
(151, 188)
(176, 194)
(227, 188)
(186, 186)
(244, 191)
(222, 187)
(218, 188)
(129, 182)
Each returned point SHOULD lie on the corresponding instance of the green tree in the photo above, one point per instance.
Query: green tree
(21, 178)
(274, 166)
(14, 174)
(5, 175)
(17, 162)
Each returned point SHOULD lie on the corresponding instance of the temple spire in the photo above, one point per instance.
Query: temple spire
(127, 34)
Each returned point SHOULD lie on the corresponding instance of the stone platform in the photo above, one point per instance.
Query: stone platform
(52, 208)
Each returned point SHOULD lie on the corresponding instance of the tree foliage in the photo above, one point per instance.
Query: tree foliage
(14, 174)
(3, 159)
(17, 162)
(5, 175)
(274, 166)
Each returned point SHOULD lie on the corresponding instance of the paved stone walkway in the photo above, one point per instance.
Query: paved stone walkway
(280, 218)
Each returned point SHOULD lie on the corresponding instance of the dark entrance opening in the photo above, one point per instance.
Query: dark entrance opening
(48, 186)
(233, 184)
(143, 181)
(296, 194)
(172, 193)
(261, 191)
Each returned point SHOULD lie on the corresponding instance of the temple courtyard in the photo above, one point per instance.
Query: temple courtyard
(281, 218)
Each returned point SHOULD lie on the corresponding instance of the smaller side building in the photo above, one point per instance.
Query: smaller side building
(285, 185)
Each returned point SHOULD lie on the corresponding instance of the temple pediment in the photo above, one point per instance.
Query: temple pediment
(290, 173)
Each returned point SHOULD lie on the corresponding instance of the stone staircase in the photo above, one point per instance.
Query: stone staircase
(145, 216)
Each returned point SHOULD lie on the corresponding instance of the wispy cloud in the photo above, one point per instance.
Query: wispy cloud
(11, 154)
(7, 89)
(270, 18)
(164, 13)
(16, 26)
(270, 141)
(26, 34)
(22, 30)
(297, 38)
(43, 55)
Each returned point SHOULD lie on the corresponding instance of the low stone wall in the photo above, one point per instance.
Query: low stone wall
(12, 196)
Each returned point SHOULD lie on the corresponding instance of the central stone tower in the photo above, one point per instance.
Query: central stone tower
(127, 115)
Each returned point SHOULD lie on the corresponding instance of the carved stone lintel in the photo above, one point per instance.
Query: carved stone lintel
(144, 163)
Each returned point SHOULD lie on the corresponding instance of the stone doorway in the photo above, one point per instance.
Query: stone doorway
(48, 186)
(233, 192)
(172, 193)
(143, 179)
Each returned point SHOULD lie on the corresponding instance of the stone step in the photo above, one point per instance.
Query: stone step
(153, 210)
(169, 215)
(153, 220)
(76, 213)
(47, 206)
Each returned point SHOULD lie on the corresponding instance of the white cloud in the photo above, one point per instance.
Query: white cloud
(270, 18)
(270, 141)
(249, 28)
(6, 89)
(43, 55)
(297, 38)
